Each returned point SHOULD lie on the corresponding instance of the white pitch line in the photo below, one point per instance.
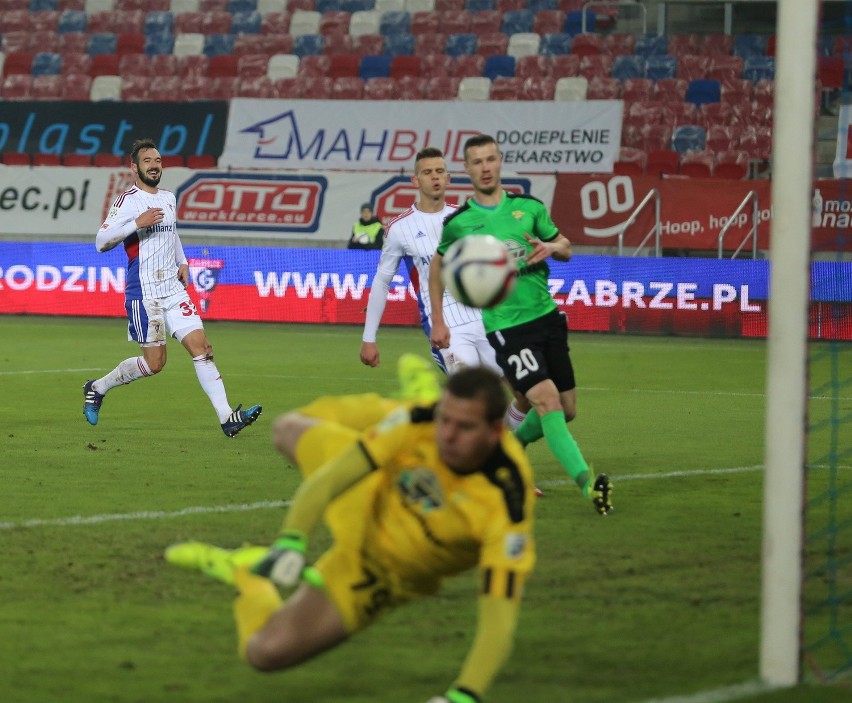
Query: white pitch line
(38, 371)
(719, 695)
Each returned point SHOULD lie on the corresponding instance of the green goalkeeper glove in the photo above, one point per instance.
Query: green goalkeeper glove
(456, 695)
(599, 490)
(284, 563)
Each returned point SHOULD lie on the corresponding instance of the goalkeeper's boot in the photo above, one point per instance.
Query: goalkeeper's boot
(92, 401)
(417, 379)
(239, 419)
(214, 561)
(600, 493)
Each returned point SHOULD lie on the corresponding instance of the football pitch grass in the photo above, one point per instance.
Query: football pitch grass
(657, 602)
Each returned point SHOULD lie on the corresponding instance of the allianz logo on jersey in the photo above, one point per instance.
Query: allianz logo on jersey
(154, 229)
(397, 194)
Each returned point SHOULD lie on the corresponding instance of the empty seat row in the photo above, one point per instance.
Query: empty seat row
(108, 160)
(732, 164)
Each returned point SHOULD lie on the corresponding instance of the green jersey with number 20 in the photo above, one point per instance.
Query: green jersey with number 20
(515, 216)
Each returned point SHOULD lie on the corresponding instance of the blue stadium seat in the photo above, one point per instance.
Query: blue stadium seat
(541, 5)
(555, 44)
(46, 64)
(624, 67)
(651, 44)
(375, 66)
(218, 44)
(43, 5)
(307, 44)
(660, 66)
(461, 44)
(323, 6)
(574, 22)
(757, 68)
(479, 5)
(72, 21)
(703, 91)
(499, 66)
(246, 23)
(159, 23)
(237, 6)
(399, 44)
(358, 5)
(101, 43)
(688, 137)
(159, 44)
(396, 22)
(517, 21)
(746, 45)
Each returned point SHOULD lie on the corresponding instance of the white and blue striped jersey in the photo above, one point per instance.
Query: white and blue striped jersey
(153, 254)
(413, 237)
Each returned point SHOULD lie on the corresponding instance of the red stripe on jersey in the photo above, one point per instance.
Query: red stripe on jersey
(120, 199)
(131, 246)
(400, 216)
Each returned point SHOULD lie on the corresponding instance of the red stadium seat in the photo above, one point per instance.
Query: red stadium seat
(442, 88)
(289, 88)
(425, 23)
(188, 23)
(436, 65)
(192, 65)
(505, 88)
(20, 62)
(16, 158)
(564, 66)
(173, 161)
(334, 22)
(77, 160)
(670, 89)
(588, 45)
(455, 22)
(17, 86)
(47, 88)
(405, 66)
(104, 65)
(537, 66)
(317, 87)
(538, 88)
(720, 138)
(425, 44)
(631, 162)
(725, 68)
(275, 23)
(380, 89)
(134, 65)
(662, 162)
(344, 65)
(254, 87)
(337, 45)
(731, 164)
(314, 65)
(165, 89)
(105, 160)
(717, 45)
(468, 65)
(697, 164)
(685, 44)
(548, 22)
(619, 43)
(199, 161)
(494, 44)
(486, 22)
(216, 22)
(637, 89)
(656, 138)
(134, 88)
(596, 66)
(678, 113)
(692, 67)
(603, 88)
(368, 44)
(76, 87)
(251, 65)
(348, 88)
(41, 159)
(410, 88)
(224, 65)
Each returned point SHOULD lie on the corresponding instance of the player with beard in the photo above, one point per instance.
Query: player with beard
(144, 219)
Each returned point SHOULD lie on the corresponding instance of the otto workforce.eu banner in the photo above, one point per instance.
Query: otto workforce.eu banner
(694, 213)
(705, 297)
(535, 137)
(52, 127)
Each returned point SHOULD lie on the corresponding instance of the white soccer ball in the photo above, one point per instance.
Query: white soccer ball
(478, 271)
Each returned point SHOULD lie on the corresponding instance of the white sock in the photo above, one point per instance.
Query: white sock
(514, 417)
(213, 385)
(127, 371)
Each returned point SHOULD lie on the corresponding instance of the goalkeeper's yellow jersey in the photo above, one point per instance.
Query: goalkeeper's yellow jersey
(425, 521)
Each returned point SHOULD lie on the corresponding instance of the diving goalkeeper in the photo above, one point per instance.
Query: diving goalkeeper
(430, 491)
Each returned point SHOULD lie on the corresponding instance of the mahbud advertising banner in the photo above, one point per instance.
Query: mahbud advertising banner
(703, 297)
(694, 213)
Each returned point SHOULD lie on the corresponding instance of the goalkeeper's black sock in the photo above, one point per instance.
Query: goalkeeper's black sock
(564, 446)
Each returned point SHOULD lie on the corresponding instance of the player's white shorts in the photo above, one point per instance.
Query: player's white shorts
(151, 322)
(469, 347)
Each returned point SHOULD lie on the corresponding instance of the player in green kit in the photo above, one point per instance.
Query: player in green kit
(527, 330)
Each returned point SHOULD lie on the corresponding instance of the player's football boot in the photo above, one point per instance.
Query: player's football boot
(92, 401)
(214, 561)
(417, 379)
(239, 419)
(538, 492)
(600, 493)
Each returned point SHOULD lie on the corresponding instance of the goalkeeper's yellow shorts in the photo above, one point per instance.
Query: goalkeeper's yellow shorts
(357, 412)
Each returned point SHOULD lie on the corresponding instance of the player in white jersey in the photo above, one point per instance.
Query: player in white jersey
(412, 237)
(144, 219)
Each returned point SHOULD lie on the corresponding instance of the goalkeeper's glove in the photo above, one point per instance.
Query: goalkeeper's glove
(599, 490)
(285, 560)
(456, 695)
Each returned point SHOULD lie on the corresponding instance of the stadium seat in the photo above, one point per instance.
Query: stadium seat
(405, 66)
(731, 164)
(246, 23)
(688, 138)
(461, 44)
(516, 21)
(399, 44)
(725, 68)
(831, 72)
(764, 92)
(134, 88)
(254, 87)
(223, 88)
(703, 91)
(394, 23)
(282, 66)
(307, 44)
(676, 113)
(46, 88)
(389, 5)
(757, 141)
(304, 22)
(194, 87)
(237, 6)
(660, 67)
(575, 19)
(486, 22)
(159, 44)
(643, 112)
(455, 22)
(413, 6)
(218, 44)
(670, 89)
(76, 160)
(313, 65)
(524, 44)
(344, 65)
(748, 44)
(192, 65)
(499, 67)
(425, 23)
(134, 65)
(495, 44)
(348, 88)
(107, 160)
(571, 88)
(479, 5)
(102, 43)
(564, 66)
(532, 66)
(187, 44)
(105, 88)
(448, 5)
(474, 88)
(375, 67)
(100, 22)
(275, 23)
(662, 162)
(188, 23)
(656, 137)
(685, 44)
(46, 21)
(173, 161)
(46, 64)
(555, 44)
(352, 6)
(630, 162)
(438, 65)
(364, 22)
(587, 44)
(538, 88)
(158, 23)
(759, 68)
(596, 66)
(252, 65)
(216, 22)
(468, 65)
(714, 114)
(337, 44)
(736, 91)
(380, 89)
(369, 44)
(270, 44)
(648, 45)
(506, 88)
(692, 67)
(410, 88)
(625, 67)
(637, 89)
(441, 88)
(71, 21)
(222, 65)
(76, 87)
(18, 62)
(201, 161)
(104, 65)
(717, 44)
(697, 164)
(548, 22)
(42, 159)
(620, 44)
(334, 23)
(16, 158)
(720, 138)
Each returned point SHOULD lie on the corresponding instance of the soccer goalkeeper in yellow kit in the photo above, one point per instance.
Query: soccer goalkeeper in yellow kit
(428, 492)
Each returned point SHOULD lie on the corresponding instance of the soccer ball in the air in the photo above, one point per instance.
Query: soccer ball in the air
(478, 270)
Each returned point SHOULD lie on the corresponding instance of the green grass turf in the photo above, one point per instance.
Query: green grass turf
(661, 599)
